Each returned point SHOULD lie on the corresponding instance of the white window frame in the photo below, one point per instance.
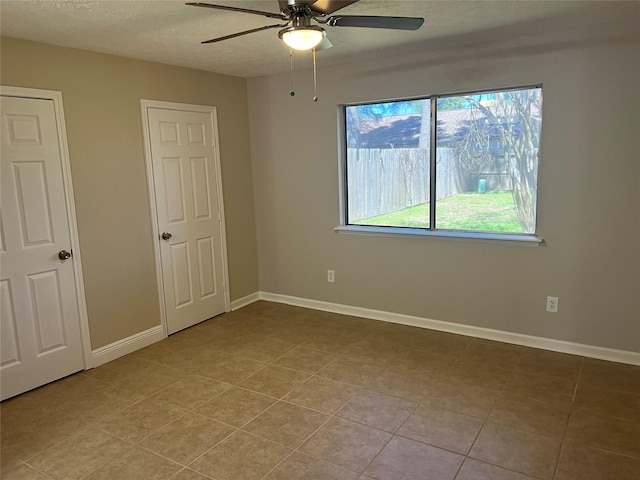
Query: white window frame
(533, 239)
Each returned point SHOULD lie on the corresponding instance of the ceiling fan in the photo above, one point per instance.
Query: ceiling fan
(299, 33)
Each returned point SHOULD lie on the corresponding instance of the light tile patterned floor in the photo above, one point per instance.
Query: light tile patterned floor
(276, 392)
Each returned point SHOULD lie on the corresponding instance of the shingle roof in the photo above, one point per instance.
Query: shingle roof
(403, 131)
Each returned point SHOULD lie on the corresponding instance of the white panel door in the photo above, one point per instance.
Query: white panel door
(189, 216)
(40, 324)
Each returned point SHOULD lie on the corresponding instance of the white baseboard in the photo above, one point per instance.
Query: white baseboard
(592, 351)
(127, 345)
(140, 340)
(143, 339)
(244, 301)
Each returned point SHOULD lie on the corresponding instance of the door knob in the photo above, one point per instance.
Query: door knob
(64, 255)
(166, 236)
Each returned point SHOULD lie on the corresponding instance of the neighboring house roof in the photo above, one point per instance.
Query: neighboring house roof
(399, 131)
(403, 131)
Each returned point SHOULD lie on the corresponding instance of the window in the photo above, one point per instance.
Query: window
(447, 163)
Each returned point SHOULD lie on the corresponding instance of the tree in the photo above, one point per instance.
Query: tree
(516, 116)
(353, 127)
(452, 103)
(473, 150)
(425, 124)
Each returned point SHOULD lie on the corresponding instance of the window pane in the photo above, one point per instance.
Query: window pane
(388, 163)
(487, 161)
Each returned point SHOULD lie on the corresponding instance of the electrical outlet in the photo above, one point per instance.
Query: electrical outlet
(552, 304)
(331, 276)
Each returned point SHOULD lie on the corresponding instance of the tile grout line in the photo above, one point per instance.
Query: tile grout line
(393, 435)
(566, 426)
(240, 429)
(235, 429)
(188, 465)
(311, 375)
(486, 419)
(519, 429)
(294, 450)
(187, 469)
(84, 426)
(190, 410)
(331, 417)
(27, 464)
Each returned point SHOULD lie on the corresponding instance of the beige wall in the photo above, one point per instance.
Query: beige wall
(101, 95)
(589, 204)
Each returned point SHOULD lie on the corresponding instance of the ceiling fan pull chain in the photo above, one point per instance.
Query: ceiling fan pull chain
(292, 92)
(315, 77)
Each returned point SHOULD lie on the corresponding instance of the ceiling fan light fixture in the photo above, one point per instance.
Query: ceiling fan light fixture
(302, 37)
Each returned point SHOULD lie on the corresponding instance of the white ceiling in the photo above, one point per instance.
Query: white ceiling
(169, 32)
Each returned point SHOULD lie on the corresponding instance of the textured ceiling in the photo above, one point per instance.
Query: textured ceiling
(169, 32)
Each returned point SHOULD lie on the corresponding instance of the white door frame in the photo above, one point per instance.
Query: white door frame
(56, 97)
(145, 105)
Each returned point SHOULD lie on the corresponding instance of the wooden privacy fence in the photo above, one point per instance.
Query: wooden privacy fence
(386, 180)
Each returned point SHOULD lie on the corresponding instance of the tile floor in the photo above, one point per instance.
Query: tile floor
(276, 392)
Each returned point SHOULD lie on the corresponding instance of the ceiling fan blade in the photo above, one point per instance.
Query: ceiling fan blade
(324, 44)
(326, 7)
(366, 21)
(238, 9)
(246, 32)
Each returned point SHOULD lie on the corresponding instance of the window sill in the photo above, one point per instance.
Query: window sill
(508, 239)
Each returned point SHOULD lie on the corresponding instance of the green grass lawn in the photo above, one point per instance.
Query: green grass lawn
(486, 212)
